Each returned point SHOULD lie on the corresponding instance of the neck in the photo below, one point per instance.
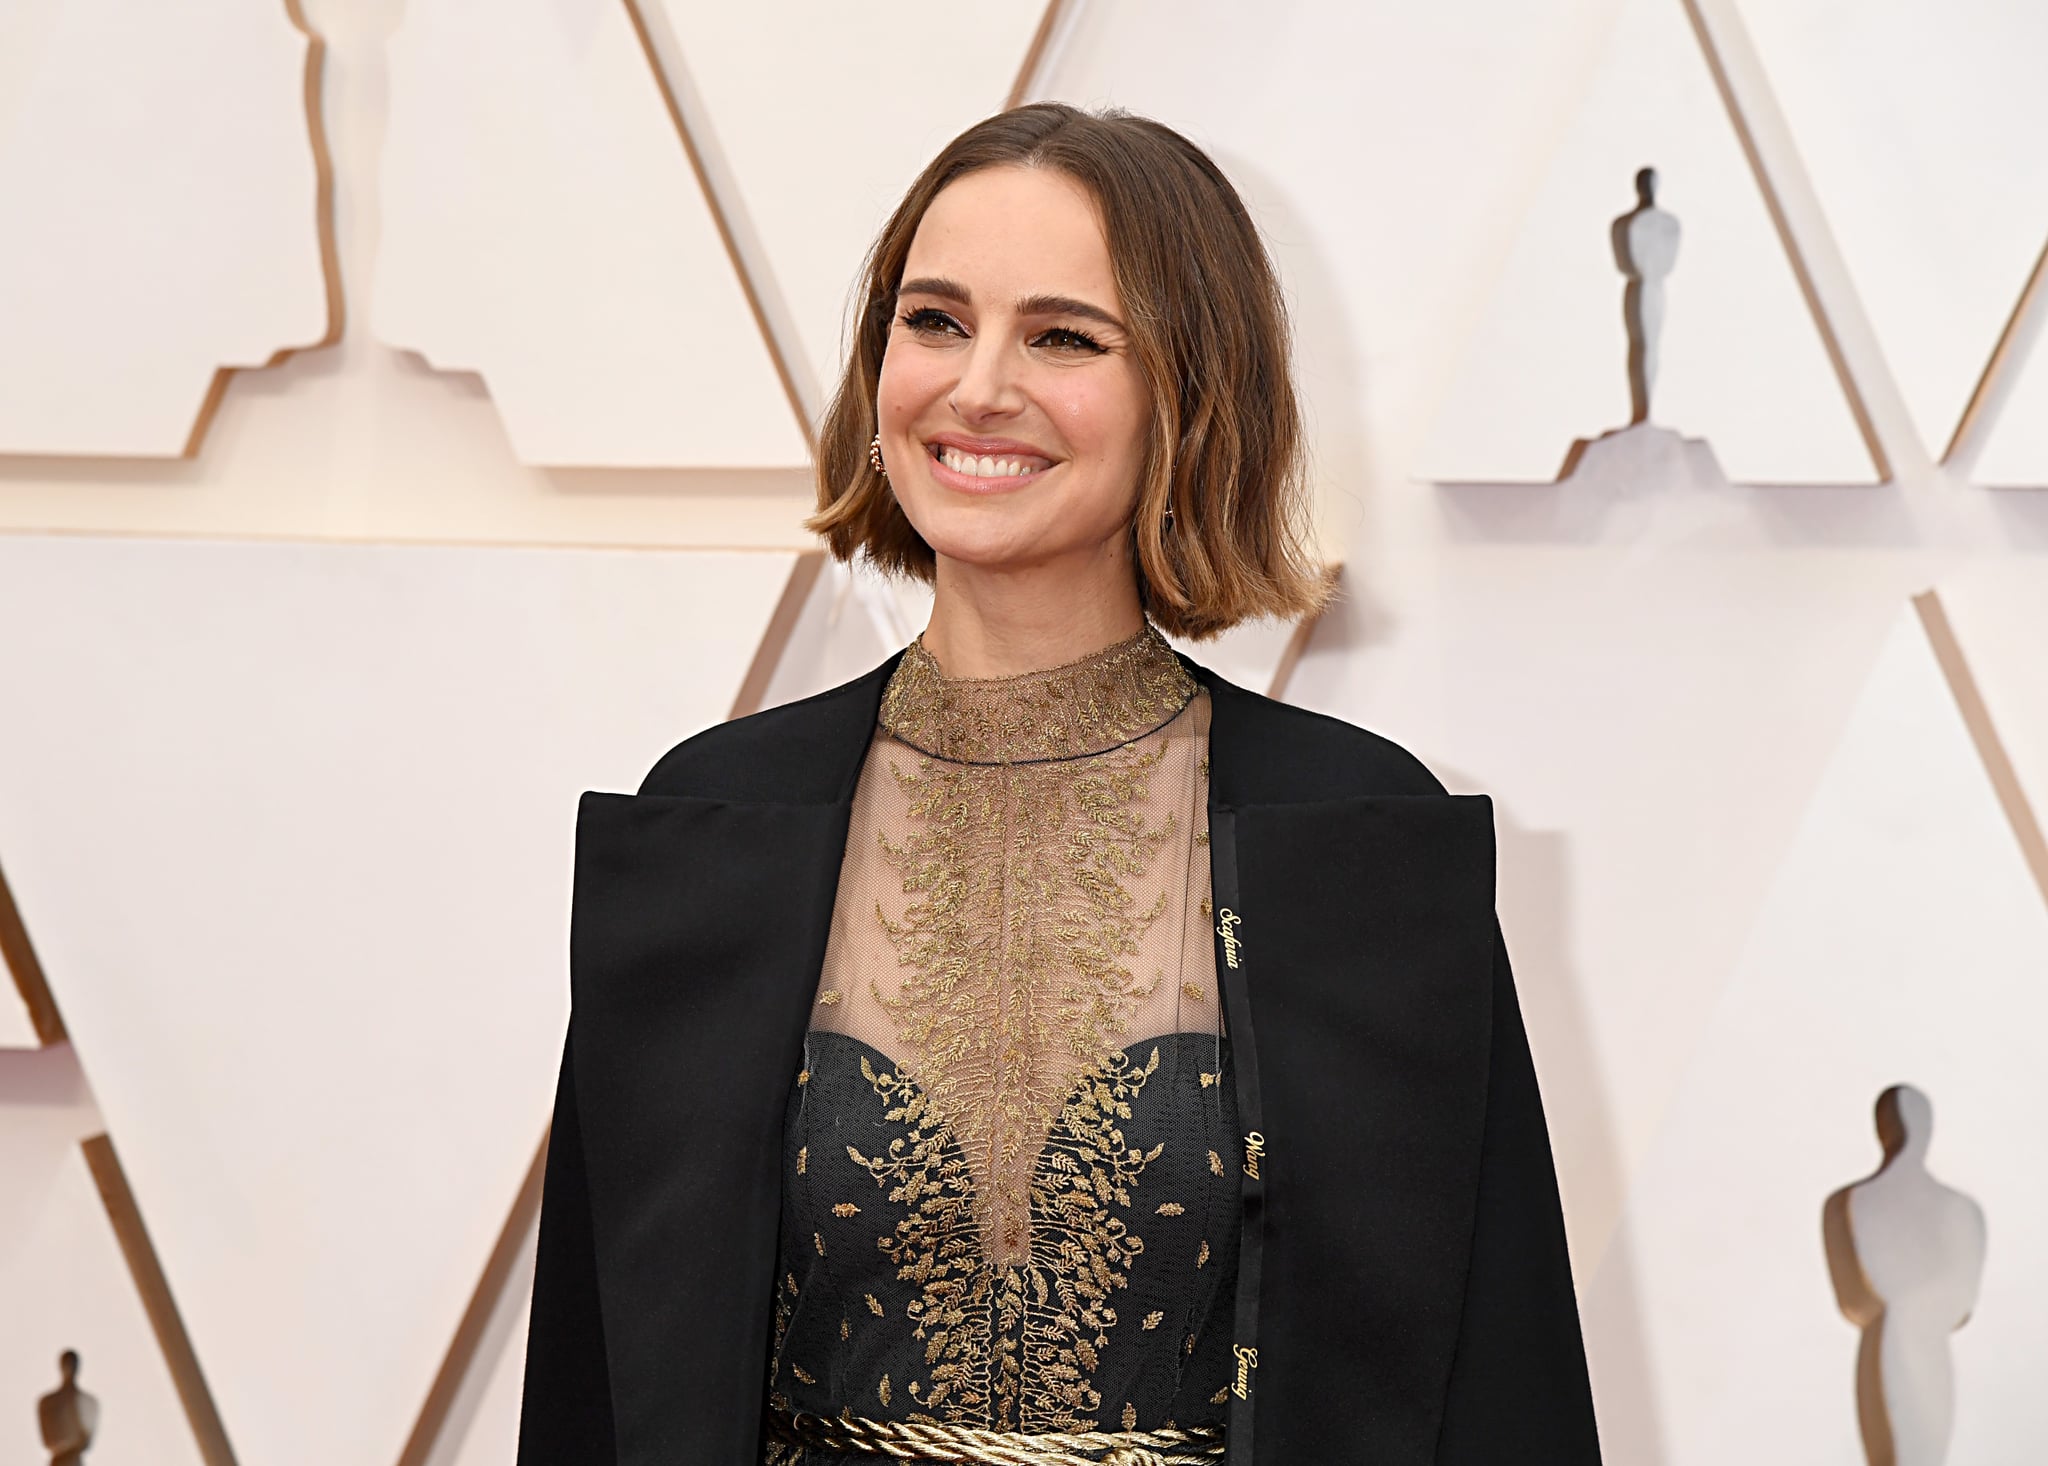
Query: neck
(998, 622)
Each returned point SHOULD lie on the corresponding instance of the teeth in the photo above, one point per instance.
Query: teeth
(983, 467)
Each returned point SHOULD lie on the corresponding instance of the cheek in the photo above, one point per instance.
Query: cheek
(1107, 419)
(909, 381)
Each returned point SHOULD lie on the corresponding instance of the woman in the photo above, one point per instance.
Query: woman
(1040, 1051)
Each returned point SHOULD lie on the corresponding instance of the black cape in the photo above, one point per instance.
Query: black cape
(1404, 1295)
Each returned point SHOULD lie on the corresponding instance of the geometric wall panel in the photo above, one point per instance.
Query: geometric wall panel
(160, 197)
(1903, 941)
(16, 1031)
(2015, 451)
(17, 1025)
(816, 221)
(542, 225)
(293, 827)
(1921, 124)
(1997, 607)
(1742, 363)
(64, 1285)
(1649, 721)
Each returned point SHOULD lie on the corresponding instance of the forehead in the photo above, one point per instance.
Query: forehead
(1012, 232)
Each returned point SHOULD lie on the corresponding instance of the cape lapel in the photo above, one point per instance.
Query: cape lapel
(1364, 941)
(699, 930)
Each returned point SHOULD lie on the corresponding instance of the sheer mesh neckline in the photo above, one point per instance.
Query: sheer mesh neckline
(1102, 701)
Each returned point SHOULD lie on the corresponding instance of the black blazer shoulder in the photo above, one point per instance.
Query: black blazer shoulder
(1269, 753)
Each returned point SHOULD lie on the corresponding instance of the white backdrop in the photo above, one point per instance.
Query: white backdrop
(302, 665)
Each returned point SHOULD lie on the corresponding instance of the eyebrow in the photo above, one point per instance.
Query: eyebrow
(1034, 305)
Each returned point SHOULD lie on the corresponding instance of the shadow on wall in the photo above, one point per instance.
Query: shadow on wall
(1327, 367)
(1591, 510)
(1535, 907)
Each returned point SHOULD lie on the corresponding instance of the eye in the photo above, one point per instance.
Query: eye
(926, 321)
(1064, 338)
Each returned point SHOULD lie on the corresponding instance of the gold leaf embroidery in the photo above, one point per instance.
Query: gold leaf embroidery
(1130, 1416)
(1016, 944)
(1221, 1397)
(1053, 1313)
(1013, 1186)
(1209, 1079)
(819, 1243)
(1215, 1163)
(801, 1373)
(803, 1154)
(1202, 1257)
(1089, 706)
(845, 1329)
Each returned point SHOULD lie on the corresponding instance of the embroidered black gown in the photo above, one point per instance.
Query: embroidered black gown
(1009, 1194)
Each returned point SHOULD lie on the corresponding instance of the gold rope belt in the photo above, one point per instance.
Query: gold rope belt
(964, 1445)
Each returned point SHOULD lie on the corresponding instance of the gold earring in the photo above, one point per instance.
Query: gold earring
(875, 456)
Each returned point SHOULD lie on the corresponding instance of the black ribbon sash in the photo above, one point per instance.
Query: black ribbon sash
(1233, 948)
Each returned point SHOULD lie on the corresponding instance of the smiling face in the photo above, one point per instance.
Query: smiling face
(1013, 414)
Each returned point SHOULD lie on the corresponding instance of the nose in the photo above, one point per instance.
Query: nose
(988, 387)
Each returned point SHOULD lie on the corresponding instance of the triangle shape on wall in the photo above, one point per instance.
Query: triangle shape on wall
(814, 222)
(1920, 125)
(1743, 365)
(271, 909)
(1903, 941)
(543, 226)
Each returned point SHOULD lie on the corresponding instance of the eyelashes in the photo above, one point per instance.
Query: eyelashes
(927, 321)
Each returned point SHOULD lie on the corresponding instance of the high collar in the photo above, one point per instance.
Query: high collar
(1088, 706)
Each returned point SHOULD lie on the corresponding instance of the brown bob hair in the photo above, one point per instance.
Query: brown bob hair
(1209, 331)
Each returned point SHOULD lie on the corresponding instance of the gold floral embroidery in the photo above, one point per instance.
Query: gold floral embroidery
(1017, 942)
(1014, 1346)
(1202, 1257)
(803, 1156)
(1022, 961)
(1215, 1163)
(1097, 703)
(1130, 1416)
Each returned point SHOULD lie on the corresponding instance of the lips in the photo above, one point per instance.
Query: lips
(985, 465)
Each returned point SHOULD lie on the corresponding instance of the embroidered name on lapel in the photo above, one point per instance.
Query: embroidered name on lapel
(1227, 923)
